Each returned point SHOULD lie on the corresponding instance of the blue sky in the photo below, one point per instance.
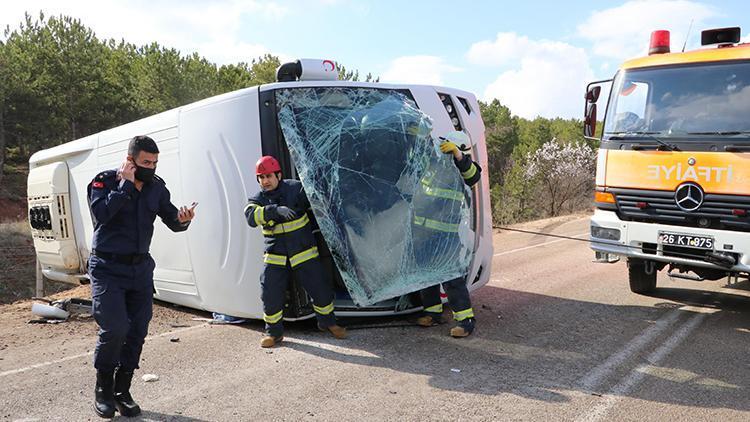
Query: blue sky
(535, 56)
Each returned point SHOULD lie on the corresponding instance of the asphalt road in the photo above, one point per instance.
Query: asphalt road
(558, 338)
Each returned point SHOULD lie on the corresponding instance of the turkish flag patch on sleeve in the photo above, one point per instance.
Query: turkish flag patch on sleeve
(97, 185)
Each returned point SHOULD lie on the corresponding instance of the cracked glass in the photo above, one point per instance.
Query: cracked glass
(393, 210)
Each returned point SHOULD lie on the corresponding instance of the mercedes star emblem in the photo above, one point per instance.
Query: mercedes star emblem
(691, 161)
(688, 196)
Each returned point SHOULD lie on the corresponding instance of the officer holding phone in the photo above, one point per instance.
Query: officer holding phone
(124, 204)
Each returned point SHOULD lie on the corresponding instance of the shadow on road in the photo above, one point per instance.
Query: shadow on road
(155, 416)
(540, 347)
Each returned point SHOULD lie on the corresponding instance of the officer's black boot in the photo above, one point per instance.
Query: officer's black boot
(104, 404)
(123, 400)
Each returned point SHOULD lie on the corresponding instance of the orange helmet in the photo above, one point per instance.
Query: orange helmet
(267, 165)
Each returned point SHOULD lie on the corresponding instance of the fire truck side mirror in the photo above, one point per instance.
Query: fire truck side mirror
(593, 92)
(592, 95)
(589, 122)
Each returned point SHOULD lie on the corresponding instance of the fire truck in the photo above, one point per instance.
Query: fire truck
(673, 168)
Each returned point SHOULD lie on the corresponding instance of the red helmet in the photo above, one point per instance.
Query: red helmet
(267, 165)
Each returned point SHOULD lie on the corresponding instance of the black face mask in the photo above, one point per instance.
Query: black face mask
(145, 175)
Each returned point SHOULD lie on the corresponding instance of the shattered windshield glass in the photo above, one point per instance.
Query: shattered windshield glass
(393, 209)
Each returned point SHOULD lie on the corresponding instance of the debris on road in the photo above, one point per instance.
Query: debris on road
(226, 319)
(59, 310)
(150, 377)
(45, 321)
(220, 319)
(49, 311)
(456, 370)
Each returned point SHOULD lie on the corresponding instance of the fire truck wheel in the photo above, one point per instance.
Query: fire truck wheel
(642, 275)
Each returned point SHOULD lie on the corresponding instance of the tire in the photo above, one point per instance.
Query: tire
(641, 282)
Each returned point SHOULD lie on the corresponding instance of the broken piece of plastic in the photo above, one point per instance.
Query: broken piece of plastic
(48, 311)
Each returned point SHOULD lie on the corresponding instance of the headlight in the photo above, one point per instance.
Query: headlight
(606, 234)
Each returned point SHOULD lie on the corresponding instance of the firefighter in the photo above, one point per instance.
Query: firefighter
(280, 209)
(124, 204)
(439, 195)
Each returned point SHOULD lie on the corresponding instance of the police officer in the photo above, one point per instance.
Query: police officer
(124, 204)
(429, 232)
(280, 208)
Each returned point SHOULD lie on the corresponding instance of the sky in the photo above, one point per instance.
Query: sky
(536, 57)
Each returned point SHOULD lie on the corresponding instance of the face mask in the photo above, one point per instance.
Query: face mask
(145, 175)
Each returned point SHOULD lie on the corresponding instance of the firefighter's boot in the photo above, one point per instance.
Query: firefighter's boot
(336, 330)
(464, 328)
(430, 319)
(269, 341)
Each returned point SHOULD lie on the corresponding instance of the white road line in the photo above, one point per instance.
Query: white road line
(43, 364)
(596, 375)
(635, 376)
(536, 246)
(332, 348)
(67, 358)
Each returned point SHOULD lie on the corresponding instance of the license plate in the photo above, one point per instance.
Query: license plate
(686, 240)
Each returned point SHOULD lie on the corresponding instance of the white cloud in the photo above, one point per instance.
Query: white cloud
(508, 47)
(624, 31)
(426, 70)
(210, 28)
(547, 78)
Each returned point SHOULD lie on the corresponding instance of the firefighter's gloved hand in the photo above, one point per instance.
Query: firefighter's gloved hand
(286, 213)
(448, 147)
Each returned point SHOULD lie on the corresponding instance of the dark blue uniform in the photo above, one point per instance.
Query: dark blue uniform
(432, 231)
(289, 248)
(120, 267)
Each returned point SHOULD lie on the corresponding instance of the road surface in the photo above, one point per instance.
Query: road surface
(558, 338)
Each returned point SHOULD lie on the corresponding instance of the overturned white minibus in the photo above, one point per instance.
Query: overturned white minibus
(208, 150)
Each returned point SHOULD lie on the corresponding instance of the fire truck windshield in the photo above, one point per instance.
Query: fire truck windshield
(705, 102)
